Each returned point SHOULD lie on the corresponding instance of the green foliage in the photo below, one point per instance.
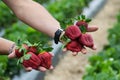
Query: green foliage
(64, 10)
(21, 31)
(42, 1)
(106, 64)
(6, 16)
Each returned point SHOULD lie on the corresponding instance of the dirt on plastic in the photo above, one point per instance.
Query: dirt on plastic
(73, 67)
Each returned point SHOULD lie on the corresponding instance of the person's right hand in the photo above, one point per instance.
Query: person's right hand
(40, 62)
(78, 40)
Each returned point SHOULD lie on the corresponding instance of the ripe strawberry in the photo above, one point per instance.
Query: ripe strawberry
(82, 23)
(33, 62)
(32, 49)
(74, 46)
(73, 32)
(87, 40)
(18, 54)
(46, 59)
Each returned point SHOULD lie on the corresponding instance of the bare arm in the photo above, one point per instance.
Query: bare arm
(34, 15)
(5, 45)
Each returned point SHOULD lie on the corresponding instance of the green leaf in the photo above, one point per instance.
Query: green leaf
(88, 77)
(47, 48)
(79, 18)
(88, 20)
(28, 43)
(19, 42)
(18, 61)
(21, 49)
(27, 56)
(83, 17)
(83, 29)
(21, 60)
(24, 51)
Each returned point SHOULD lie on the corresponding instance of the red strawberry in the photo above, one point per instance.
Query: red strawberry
(82, 23)
(18, 54)
(32, 49)
(74, 46)
(73, 32)
(87, 40)
(46, 59)
(33, 62)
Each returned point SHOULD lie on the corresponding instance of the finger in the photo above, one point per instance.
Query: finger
(51, 54)
(64, 50)
(12, 55)
(28, 69)
(74, 53)
(43, 69)
(84, 51)
(92, 29)
(94, 47)
(51, 67)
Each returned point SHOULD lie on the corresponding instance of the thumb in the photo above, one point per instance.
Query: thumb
(12, 55)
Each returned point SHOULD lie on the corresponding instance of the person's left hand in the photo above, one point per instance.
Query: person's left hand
(40, 62)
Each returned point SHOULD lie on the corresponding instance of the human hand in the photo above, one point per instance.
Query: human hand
(79, 38)
(30, 60)
(77, 43)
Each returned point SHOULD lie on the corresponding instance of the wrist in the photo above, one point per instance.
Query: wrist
(12, 48)
(60, 37)
(57, 35)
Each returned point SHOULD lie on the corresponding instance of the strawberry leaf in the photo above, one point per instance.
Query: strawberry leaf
(24, 51)
(83, 29)
(18, 61)
(78, 18)
(21, 60)
(88, 20)
(28, 43)
(27, 56)
(83, 17)
(47, 48)
(19, 42)
(21, 49)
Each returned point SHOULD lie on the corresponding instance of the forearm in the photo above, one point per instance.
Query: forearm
(34, 15)
(5, 46)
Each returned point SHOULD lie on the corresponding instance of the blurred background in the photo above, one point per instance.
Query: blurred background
(102, 64)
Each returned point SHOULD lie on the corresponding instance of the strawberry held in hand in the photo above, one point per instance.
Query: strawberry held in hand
(82, 23)
(87, 40)
(46, 59)
(72, 32)
(33, 49)
(33, 61)
(74, 46)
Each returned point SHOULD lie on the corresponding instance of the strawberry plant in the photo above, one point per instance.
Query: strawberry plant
(7, 18)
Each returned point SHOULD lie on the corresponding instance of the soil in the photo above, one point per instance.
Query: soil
(73, 67)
